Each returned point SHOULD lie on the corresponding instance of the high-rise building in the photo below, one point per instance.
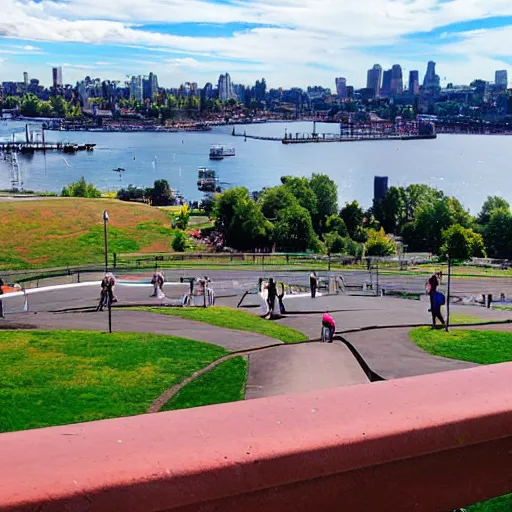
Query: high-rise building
(136, 88)
(341, 87)
(226, 91)
(25, 80)
(386, 83)
(431, 79)
(380, 188)
(153, 86)
(414, 83)
(57, 77)
(373, 80)
(501, 78)
(397, 82)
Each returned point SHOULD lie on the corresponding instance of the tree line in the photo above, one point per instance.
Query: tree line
(31, 106)
(302, 215)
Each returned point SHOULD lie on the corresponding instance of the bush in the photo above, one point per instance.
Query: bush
(179, 242)
(379, 244)
(81, 189)
(183, 218)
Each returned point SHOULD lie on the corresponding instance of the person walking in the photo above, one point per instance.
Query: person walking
(107, 290)
(280, 297)
(436, 298)
(313, 284)
(158, 281)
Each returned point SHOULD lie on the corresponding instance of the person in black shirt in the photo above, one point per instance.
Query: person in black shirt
(272, 294)
(313, 284)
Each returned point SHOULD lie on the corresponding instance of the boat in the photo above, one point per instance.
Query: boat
(70, 148)
(219, 151)
(207, 180)
(119, 170)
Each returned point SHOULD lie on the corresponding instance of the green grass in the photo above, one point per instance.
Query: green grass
(225, 383)
(503, 504)
(61, 377)
(483, 347)
(466, 319)
(233, 319)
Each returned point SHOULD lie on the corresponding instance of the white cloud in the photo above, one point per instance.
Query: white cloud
(299, 42)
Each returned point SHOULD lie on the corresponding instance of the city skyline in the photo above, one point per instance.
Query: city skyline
(289, 42)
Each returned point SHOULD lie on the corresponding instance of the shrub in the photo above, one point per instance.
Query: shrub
(179, 242)
(81, 189)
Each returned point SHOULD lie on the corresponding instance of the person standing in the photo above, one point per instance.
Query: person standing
(280, 297)
(313, 284)
(271, 295)
(158, 282)
(435, 298)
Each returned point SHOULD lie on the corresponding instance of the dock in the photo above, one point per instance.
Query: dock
(31, 147)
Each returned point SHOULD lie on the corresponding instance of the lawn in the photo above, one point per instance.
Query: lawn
(233, 319)
(61, 377)
(503, 504)
(466, 319)
(225, 383)
(483, 347)
(69, 231)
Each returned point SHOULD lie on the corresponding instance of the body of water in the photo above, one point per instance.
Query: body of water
(470, 167)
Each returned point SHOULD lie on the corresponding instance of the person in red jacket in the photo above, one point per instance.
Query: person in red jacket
(328, 323)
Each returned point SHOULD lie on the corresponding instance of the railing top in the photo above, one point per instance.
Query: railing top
(213, 452)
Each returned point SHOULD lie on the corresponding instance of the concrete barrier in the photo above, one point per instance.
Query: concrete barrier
(430, 443)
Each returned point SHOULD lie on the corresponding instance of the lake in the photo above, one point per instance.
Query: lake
(470, 167)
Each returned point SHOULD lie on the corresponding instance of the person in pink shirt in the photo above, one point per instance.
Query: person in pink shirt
(328, 323)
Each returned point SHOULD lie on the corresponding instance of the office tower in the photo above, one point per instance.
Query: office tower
(57, 77)
(226, 91)
(414, 83)
(397, 82)
(25, 80)
(386, 83)
(374, 78)
(380, 188)
(136, 88)
(431, 79)
(341, 87)
(501, 78)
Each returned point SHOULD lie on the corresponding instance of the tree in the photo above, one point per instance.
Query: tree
(498, 234)
(59, 105)
(300, 189)
(335, 243)
(418, 196)
(490, 205)
(462, 244)
(183, 217)
(30, 105)
(179, 242)
(353, 215)
(249, 229)
(161, 194)
(294, 231)
(326, 192)
(379, 244)
(273, 200)
(391, 211)
(225, 206)
(335, 224)
(81, 189)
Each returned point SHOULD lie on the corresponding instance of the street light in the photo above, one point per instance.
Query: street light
(105, 220)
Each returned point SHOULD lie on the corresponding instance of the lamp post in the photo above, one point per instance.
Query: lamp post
(448, 293)
(109, 293)
(105, 220)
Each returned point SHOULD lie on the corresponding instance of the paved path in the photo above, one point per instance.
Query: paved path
(302, 368)
(144, 322)
(392, 355)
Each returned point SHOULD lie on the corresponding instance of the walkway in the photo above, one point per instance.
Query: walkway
(144, 322)
(302, 368)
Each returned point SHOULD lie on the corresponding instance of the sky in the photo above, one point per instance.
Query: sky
(289, 42)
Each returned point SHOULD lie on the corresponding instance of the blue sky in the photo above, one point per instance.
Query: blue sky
(289, 42)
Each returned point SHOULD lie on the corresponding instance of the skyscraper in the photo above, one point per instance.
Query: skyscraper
(386, 83)
(226, 91)
(380, 188)
(431, 79)
(341, 87)
(397, 82)
(501, 78)
(25, 80)
(374, 78)
(57, 77)
(414, 83)
(136, 88)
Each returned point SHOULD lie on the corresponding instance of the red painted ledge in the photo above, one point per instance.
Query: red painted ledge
(429, 443)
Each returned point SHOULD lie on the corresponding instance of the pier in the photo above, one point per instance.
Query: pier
(31, 147)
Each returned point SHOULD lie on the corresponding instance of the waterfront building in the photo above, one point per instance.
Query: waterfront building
(373, 80)
(397, 82)
(136, 88)
(386, 83)
(153, 86)
(57, 77)
(25, 80)
(341, 87)
(414, 83)
(501, 79)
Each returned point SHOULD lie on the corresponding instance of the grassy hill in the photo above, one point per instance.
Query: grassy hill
(69, 231)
